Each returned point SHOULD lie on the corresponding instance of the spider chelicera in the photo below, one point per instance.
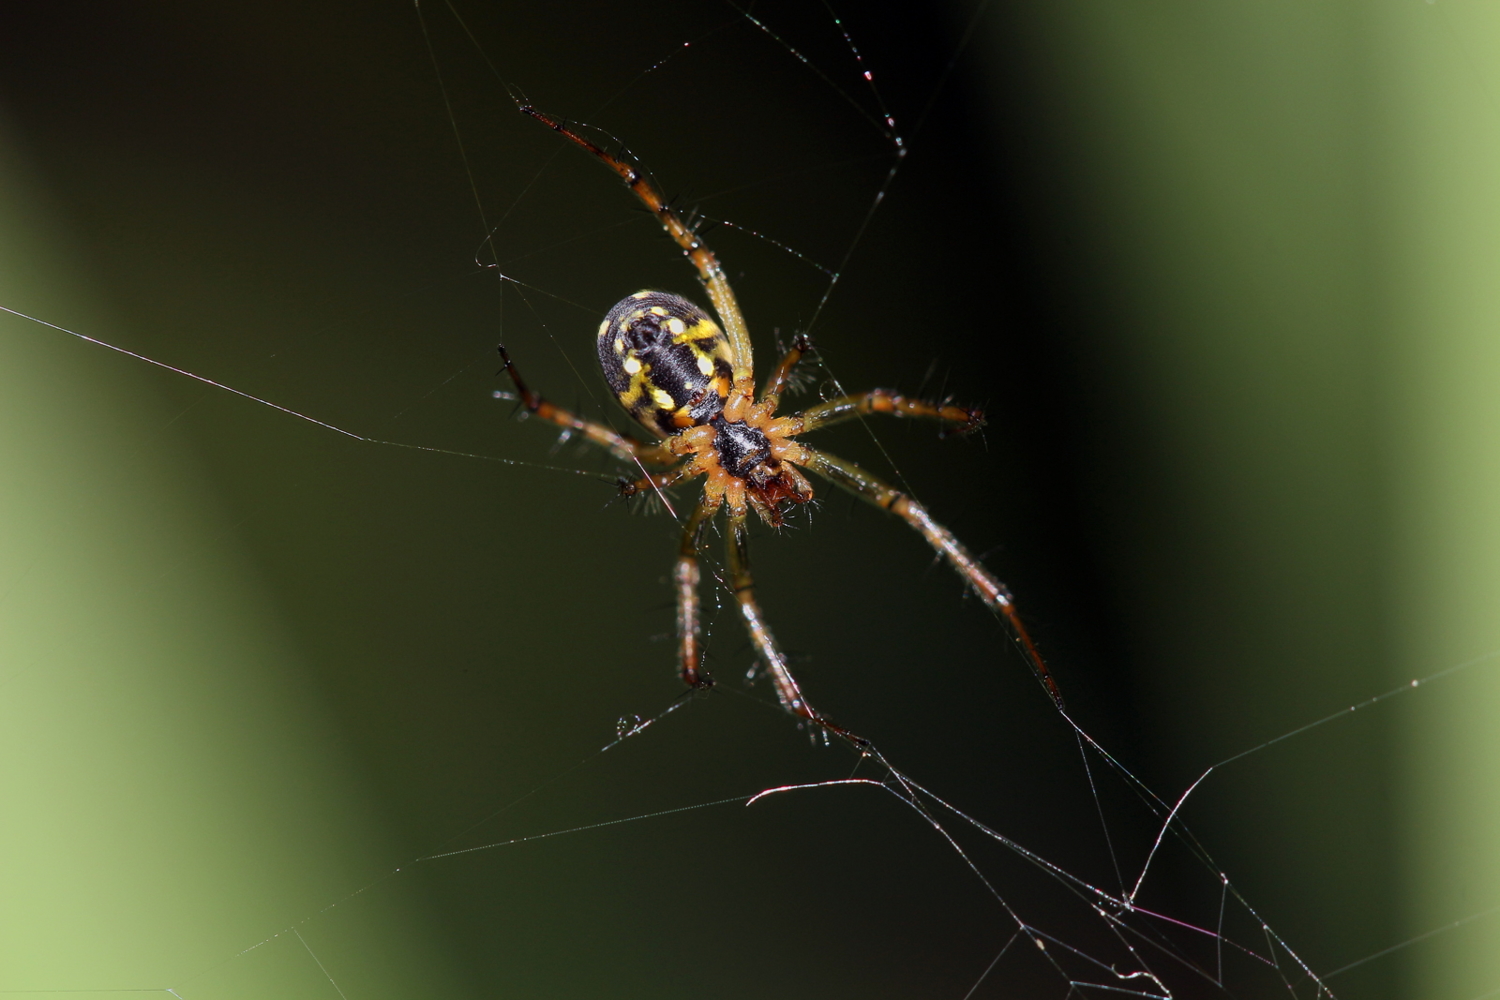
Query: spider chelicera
(691, 384)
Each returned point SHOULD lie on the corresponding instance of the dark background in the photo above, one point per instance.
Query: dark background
(1178, 492)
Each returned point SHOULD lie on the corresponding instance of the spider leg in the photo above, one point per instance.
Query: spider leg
(624, 448)
(657, 480)
(686, 575)
(991, 591)
(709, 268)
(801, 345)
(836, 411)
(787, 689)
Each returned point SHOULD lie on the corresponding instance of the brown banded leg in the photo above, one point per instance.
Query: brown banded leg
(685, 575)
(801, 346)
(991, 591)
(963, 419)
(624, 448)
(787, 690)
(710, 271)
(657, 481)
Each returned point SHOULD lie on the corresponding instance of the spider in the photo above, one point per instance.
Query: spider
(691, 384)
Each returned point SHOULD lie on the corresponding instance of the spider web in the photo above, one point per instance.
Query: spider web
(384, 758)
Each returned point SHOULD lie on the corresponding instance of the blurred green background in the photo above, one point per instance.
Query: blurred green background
(1221, 274)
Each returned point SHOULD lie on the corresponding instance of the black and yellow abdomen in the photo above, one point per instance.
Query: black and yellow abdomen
(666, 360)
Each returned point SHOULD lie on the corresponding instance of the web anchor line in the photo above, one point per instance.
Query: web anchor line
(353, 436)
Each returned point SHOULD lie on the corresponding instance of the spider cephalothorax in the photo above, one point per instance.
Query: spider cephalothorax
(690, 383)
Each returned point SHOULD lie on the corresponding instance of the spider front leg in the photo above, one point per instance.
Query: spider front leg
(623, 448)
(995, 595)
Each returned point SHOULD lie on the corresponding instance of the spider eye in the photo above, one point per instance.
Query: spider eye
(666, 360)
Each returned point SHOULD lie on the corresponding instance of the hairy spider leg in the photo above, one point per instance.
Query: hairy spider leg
(709, 269)
(801, 346)
(685, 575)
(842, 408)
(995, 595)
(788, 692)
(836, 411)
(656, 480)
(624, 448)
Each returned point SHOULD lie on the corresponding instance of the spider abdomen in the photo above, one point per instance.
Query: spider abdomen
(666, 360)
